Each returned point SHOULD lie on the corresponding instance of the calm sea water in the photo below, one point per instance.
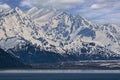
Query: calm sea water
(60, 75)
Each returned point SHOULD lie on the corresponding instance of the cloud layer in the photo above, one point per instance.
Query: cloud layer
(100, 11)
(52, 3)
(4, 6)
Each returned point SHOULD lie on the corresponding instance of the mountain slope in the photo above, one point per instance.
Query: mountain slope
(30, 53)
(16, 27)
(8, 61)
(65, 28)
(60, 37)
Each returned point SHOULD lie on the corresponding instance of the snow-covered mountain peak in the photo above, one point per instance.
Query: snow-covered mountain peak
(1, 10)
(32, 10)
(112, 27)
(14, 27)
(66, 27)
(41, 16)
(12, 12)
(55, 31)
(19, 11)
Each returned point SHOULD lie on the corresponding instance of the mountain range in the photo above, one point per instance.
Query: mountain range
(48, 36)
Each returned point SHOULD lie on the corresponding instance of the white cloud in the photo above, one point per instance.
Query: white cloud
(99, 11)
(4, 6)
(25, 3)
(98, 6)
(59, 4)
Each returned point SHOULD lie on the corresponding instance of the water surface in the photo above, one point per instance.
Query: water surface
(60, 75)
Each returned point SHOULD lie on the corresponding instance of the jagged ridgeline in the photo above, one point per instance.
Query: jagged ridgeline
(50, 36)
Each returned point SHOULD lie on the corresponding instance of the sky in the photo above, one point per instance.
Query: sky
(98, 11)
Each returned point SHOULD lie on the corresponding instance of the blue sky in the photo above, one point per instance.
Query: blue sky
(99, 11)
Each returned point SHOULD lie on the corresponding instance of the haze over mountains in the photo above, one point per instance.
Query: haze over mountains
(49, 35)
